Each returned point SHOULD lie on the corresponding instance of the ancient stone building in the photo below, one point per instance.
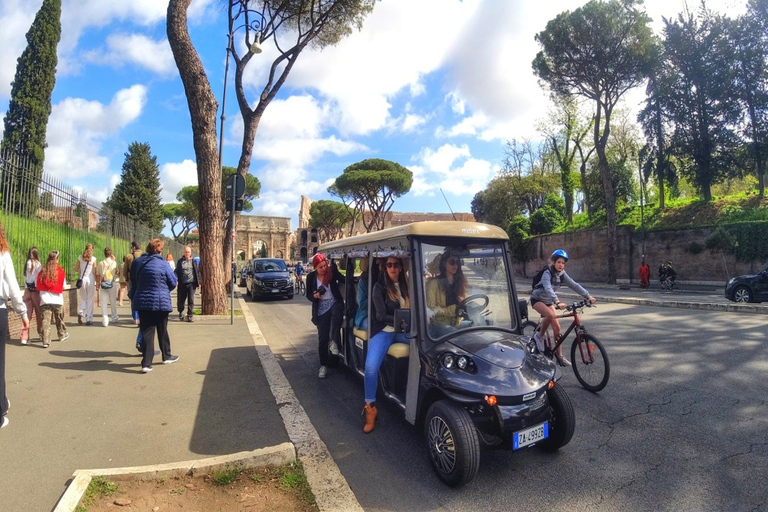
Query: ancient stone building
(258, 235)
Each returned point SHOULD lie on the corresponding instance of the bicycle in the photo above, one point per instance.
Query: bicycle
(300, 287)
(590, 365)
(667, 285)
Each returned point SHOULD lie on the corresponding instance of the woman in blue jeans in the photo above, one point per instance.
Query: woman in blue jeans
(389, 294)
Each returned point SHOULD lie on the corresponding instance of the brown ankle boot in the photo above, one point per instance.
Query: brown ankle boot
(370, 417)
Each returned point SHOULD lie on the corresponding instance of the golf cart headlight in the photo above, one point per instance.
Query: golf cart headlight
(449, 361)
(462, 362)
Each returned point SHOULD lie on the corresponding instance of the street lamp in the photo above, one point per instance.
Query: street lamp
(642, 202)
(255, 25)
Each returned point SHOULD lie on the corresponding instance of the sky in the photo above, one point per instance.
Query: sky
(437, 86)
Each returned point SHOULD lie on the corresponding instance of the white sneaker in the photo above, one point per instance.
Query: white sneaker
(5, 422)
(146, 369)
(333, 348)
(539, 342)
(323, 373)
(23, 341)
(65, 337)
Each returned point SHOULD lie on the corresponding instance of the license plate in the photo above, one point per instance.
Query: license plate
(530, 436)
(275, 290)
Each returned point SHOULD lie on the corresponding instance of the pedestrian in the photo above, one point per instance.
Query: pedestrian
(171, 262)
(151, 284)
(128, 260)
(31, 295)
(645, 274)
(187, 272)
(50, 283)
(327, 309)
(9, 290)
(105, 280)
(86, 270)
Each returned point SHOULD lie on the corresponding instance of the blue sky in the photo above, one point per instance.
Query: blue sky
(438, 86)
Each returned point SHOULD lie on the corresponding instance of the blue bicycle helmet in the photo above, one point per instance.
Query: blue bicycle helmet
(559, 254)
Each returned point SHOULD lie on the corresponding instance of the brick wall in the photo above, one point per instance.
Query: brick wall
(71, 298)
(588, 262)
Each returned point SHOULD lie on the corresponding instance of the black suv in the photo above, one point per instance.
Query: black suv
(749, 288)
(269, 277)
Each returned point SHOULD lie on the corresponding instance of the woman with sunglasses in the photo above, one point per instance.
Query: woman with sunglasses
(389, 294)
(444, 292)
(327, 308)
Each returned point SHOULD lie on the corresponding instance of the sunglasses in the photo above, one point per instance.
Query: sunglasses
(396, 264)
(452, 261)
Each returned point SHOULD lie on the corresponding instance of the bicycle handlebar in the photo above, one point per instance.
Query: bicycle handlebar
(579, 305)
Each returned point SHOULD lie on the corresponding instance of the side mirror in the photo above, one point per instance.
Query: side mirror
(402, 320)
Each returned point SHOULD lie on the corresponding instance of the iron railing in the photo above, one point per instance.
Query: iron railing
(39, 210)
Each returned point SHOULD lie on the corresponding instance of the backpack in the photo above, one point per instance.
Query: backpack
(537, 278)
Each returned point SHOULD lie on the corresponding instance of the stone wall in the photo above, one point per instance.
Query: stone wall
(588, 262)
(71, 298)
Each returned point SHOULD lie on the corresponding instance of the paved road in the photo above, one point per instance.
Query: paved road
(681, 426)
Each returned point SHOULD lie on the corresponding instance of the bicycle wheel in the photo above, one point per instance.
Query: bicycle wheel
(590, 362)
(302, 287)
(529, 327)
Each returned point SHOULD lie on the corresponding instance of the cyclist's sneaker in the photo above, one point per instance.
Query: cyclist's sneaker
(539, 342)
(562, 361)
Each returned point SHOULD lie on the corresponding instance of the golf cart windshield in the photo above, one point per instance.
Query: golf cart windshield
(465, 287)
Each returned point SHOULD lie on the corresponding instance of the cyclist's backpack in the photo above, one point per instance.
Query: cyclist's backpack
(537, 277)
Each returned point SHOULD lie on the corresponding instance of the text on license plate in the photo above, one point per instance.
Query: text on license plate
(275, 290)
(530, 436)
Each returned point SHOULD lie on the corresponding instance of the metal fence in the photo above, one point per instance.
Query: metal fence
(39, 210)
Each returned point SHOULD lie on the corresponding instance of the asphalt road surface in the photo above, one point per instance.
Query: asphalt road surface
(682, 424)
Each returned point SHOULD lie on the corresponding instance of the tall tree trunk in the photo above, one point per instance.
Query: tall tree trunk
(601, 140)
(202, 109)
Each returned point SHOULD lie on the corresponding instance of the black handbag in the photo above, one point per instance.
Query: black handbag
(79, 283)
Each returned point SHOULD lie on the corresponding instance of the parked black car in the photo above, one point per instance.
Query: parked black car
(269, 277)
(243, 275)
(749, 288)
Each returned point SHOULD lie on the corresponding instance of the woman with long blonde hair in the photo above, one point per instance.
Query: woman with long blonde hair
(9, 289)
(86, 271)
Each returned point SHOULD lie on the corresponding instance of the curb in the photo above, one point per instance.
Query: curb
(271, 456)
(709, 306)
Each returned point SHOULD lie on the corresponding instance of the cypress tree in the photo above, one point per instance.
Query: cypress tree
(137, 196)
(30, 106)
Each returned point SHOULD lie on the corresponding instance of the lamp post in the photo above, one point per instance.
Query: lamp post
(255, 47)
(642, 202)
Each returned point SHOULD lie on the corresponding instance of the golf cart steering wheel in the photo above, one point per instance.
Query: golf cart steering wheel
(477, 302)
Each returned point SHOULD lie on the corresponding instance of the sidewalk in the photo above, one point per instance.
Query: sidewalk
(83, 403)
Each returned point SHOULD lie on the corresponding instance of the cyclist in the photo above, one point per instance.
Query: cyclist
(299, 271)
(667, 275)
(544, 299)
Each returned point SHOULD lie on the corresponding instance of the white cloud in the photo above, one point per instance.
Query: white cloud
(136, 49)
(452, 169)
(174, 176)
(77, 128)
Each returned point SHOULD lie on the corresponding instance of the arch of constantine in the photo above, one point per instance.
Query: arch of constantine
(258, 236)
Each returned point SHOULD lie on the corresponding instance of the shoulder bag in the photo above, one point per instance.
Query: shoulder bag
(79, 283)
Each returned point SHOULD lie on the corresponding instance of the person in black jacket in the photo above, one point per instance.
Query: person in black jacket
(390, 293)
(327, 308)
(189, 279)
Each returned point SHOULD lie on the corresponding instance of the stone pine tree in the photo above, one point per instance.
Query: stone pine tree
(137, 196)
(292, 27)
(27, 117)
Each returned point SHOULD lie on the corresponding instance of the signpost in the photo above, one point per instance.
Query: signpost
(235, 190)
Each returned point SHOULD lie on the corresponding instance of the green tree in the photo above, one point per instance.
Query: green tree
(701, 100)
(653, 119)
(518, 230)
(180, 216)
(329, 218)
(372, 186)
(566, 131)
(750, 42)
(137, 196)
(599, 51)
(292, 26)
(26, 121)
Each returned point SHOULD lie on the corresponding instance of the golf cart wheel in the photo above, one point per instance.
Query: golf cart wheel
(452, 442)
(563, 421)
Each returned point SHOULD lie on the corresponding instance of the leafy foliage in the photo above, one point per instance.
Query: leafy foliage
(26, 121)
(329, 217)
(519, 239)
(137, 195)
(372, 186)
